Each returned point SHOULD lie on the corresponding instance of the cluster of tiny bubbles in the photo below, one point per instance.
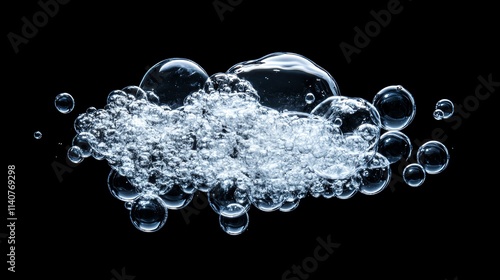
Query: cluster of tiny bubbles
(37, 135)
(444, 109)
(64, 103)
(265, 134)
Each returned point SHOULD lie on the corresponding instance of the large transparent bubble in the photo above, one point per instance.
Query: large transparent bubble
(265, 134)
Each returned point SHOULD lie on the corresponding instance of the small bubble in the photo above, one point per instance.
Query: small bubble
(414, 175)
(64, 103)
(234, 225)
(148, 213)
(310, 98)
(395, 146)
(433, 156)
(396, 107)
(75, 154)
(444, 109)
(37, 135)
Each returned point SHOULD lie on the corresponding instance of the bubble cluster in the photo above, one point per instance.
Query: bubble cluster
(265, 134)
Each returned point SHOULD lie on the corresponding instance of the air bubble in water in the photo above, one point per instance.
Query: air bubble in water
(120, 187)
(282, 80)
(175, 198)
(376, 175)
(64, 103)
(310, 98)
(414, 174)
(148, 213)
(444, 109)
(433, 156)
(173, 79)
(265, 134)
(396, 107)
(37, 135)
(395, 146)
(234, 225)
(75, 154)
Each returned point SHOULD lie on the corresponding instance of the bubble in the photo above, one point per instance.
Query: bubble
(396, 107)
(265, 134)
(375, 176)
(395, 146)
(290, 205)
(310, 98)
(414, 174)
(83, 141)
(173, 79)
(128, 205)
(75, 154)
(37, 135)
(282, 79)
(234, 225)
(120, 187)
(433, 156)
(175, 198)
(444, 109)
(228, 200)
(64, 103)
(148, 213)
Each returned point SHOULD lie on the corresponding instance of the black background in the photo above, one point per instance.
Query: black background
(74, 229)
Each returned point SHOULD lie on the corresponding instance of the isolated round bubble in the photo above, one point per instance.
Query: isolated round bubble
(64, 103)
(37, 135)
(396, 107)
(414, 174)
(433, 156)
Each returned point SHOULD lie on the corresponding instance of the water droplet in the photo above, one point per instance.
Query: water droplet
(64, 103)
(414, 174)
(433, 156)
(396, 107)
(148, 213)
(37, 135)
(444, 109)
